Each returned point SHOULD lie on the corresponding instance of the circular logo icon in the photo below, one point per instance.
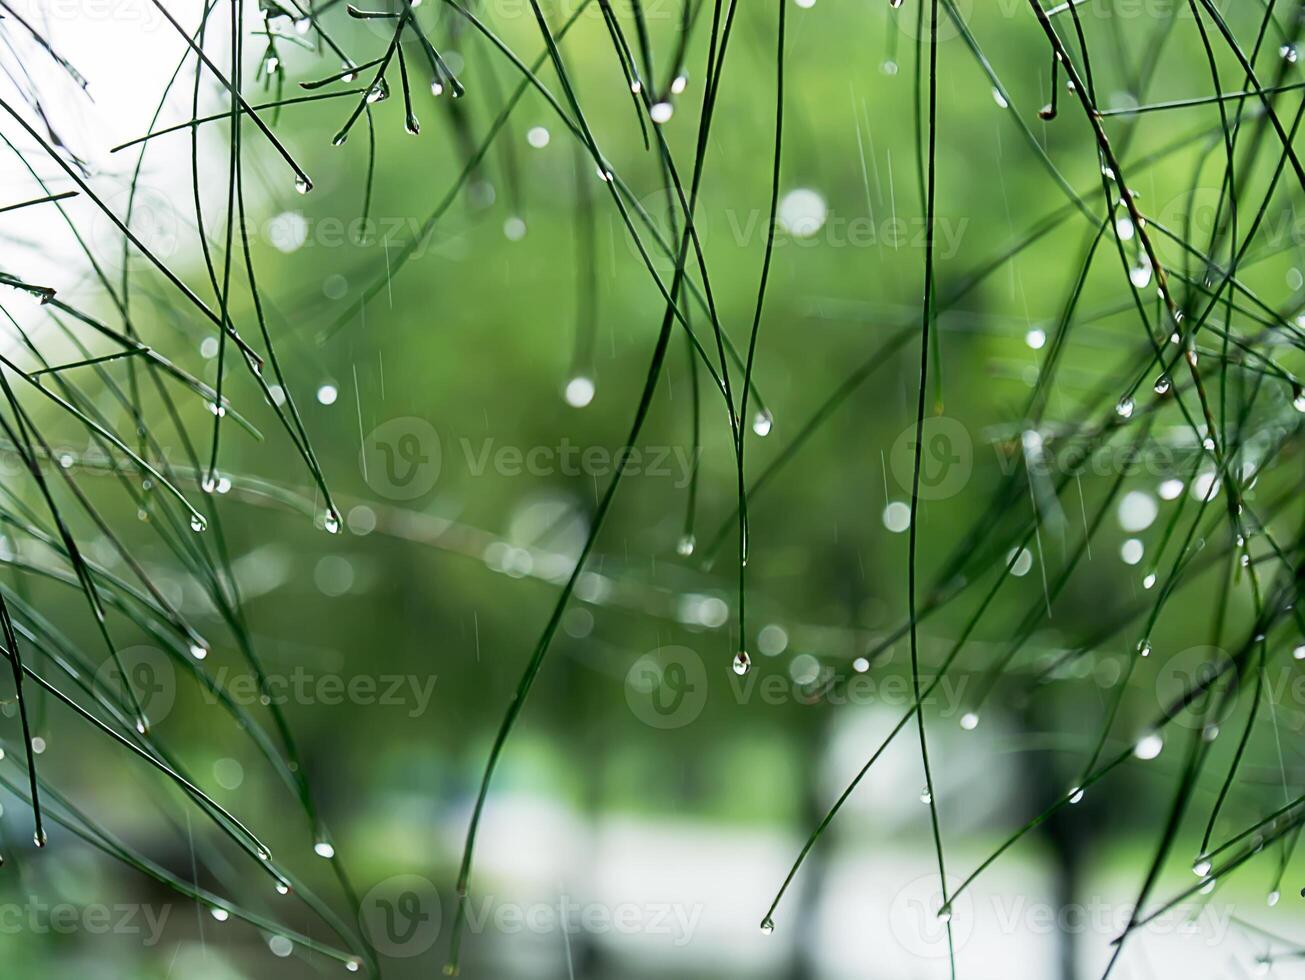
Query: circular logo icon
(946, 458)
(1188, 677)
(664, 210)
(400, 459)
(916, 925)
(146, 673)
(150, 216)
(667, 688)
(401, 916)
(1194, 214)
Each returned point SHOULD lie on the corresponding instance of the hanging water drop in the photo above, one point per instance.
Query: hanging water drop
(197, 523)
(1201, 867)
(1162, 385)
(1076, 795)
(969, 721)
(1149, 746)
(925, 796)
(742, 663)
(331, 521)
(324, 849)
(1144, 648)
(762, 422)
(685, 546)
(1124, 408)
(198, 651)
(303, 185)
(767, 926)
(1298, 398)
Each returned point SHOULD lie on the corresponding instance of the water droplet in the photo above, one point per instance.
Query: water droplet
(1124, 408)
(1299, 652)
(969, 721)
(210, 484)
(538, 137)
(327, 394)
(1288, 53)
(437, 88)
(767, 926)
(686, 545)
(1273, 897)
(39, 838)
(217, 409)
(302, 24)
(1036, 338)
(679, 84)
(283, 887)
(579, 391)
(1149, 745)
(1000, 99)
(1163, 384)
(197, 523)
(324, 849)
(1124, 228)
(198, 651)
(742, 663)
(303, 185)
(1148, 582)
(661, 112)
(1076, 795)
(1201, 867)
(1298, 398)
(925, 796)
(353, 966)
(762, 422)
(219, 913)
(1140, 274)
(1144, 648)
(331, 521)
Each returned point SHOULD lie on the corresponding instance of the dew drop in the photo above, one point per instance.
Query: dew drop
(1289, 53)
(1140, 274)
(762, 423)
(1124, 407)
(1163, 384)
(579, 391)
(925, 796)
(303, 185)
(283, 888)
(969, 721)
(1201, 868)
(1298, 398)
(767, 926)
(661, 112)
(1000, 99)
(331, 521)
(219, 913)
(1149, 745)
(1272, 898)
(1076, 795)
(197, 523)
(324, 849)
(679, 84)
(198, 651)
(1144, 648)
(353, 966)
(39, 838)
(686, 545)
(742, 663)
(1036, 338)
